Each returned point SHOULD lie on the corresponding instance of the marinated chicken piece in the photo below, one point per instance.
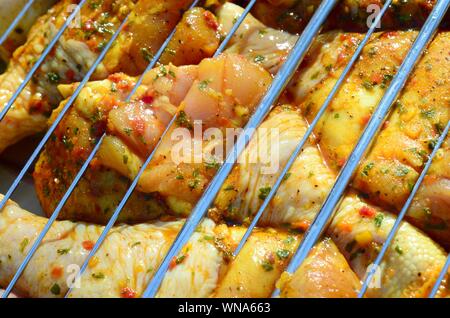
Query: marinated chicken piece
(394, 163)
(341, 125)
(80, 45)
(431, 205)
(293, 15)
(358, 229)
(130, 255)
(263, 259)
(401, 150)
(258, 43)
(68, 62)
(326, 270)
(410, 267)
(9, 10)
(121, 268)
(196, 37)
(220, 92)
(259, 166)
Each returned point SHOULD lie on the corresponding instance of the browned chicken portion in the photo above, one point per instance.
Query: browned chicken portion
(326, 271)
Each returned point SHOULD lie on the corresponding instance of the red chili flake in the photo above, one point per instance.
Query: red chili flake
(116, 77)
(365, 120)
(57, 272)
(88, 245)
(79, 152)
(341, 162)
(37, 106)
(88, 25)
(70, 75)
(341, 57)
(366, 211)
(127, 292)
(210, 20)
(138, 125)
(376, 78)
(389, 34)
(148, 99)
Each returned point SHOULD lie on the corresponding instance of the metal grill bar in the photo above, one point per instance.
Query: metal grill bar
(135, 181)
(401, 215)
(235, 27)
(310, 129)
(279, 83)
(328, 208)
(58, 209)
(39, 61)
(440, 278)
(15, 21)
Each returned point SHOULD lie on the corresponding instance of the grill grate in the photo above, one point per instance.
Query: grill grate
(279, 83)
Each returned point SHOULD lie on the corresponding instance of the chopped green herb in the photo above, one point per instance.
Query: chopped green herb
(62, 251)
(289, 240)
(172, 73)
(428, 113)
(286, 176)
(101, 45)
(378, 220)
(146, 54)
(203, 85)
(399, 250)
(283, 254)
(98, 275)
(367, 168)
(170, 51)
(267, 266)
(24, 244)
(125, 159)
(53, 77)
(213, 164)
(183, 120)
(179, 176)
(401, 171)
(367, 84)
(94, 4)
(55, 289)
(128, 131)
(67, 142)
(192, 184)
(432, 144)
(259, 58)
(229, 188)
(113, 87)
(180, 259)
(135, 244)
(264, 192)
